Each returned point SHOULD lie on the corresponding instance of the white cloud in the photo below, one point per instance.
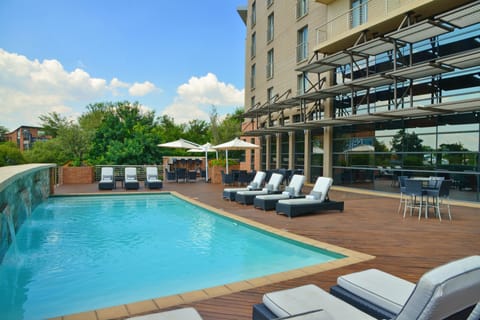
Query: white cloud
(141, 89)
(195, 98)
(30, 88)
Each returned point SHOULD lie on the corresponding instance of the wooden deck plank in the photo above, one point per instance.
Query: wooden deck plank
(370, 224)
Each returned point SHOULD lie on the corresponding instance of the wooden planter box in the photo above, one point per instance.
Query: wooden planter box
(215, 172)
(78, 175)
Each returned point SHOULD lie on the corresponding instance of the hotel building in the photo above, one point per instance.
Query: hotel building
(365, 90)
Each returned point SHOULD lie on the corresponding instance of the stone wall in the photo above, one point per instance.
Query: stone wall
(22, 189)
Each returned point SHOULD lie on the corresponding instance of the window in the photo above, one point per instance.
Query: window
(270, 27)
(302, 8)
(252, 76)
(270, 95)
(358, 12)
(269, 3)
(302, 84)
(253, 16)
(252, 102)
(270, 64)
(253, 48)
(302, 44)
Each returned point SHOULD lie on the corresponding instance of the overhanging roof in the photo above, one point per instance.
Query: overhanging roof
(419, 71)
(463, 16)
(463, 60)
(419, 31)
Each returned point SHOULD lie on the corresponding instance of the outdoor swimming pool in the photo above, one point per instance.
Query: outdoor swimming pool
(89, 252)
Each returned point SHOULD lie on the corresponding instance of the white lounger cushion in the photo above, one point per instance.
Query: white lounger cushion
(277, 196)
(255, 184)
(378, 287)
(308, 298)
(179, 314)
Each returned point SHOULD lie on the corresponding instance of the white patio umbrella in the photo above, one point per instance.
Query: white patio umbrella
(179, 144)
(235, 144)
(207, 147)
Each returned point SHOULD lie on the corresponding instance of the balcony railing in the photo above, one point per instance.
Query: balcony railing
(369, 12)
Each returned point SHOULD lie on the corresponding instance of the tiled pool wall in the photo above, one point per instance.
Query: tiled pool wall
(22, 189)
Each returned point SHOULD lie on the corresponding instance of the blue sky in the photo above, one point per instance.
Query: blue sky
(174, 57)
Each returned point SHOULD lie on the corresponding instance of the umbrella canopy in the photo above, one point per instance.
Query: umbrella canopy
(235, 144)
(179, 144)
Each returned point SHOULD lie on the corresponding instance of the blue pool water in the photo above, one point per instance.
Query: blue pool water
(82, 253)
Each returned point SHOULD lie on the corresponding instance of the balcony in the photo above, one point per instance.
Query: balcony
(376, 16)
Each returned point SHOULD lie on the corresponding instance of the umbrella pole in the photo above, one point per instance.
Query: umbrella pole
(206, 166)
(226, 152)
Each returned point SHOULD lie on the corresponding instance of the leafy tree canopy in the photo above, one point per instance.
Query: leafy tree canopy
(10, 155)
(52, 122)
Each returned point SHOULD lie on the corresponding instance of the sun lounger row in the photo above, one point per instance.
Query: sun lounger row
(291, 201)
(130, 180)
(450, 291)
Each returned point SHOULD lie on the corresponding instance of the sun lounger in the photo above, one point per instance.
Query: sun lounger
(448, 291)
(152, 181)
(177, 314)
(273, 186)
(107, 181)
(131, 182)
(293, 190)
(316, 201)
(255, 184)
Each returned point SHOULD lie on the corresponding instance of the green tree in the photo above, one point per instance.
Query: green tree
(3, 134)
(455, 153)
(50, 151)
(52, 122)
(197, 131)
(126, 135)
(10, 154)
(75, 142)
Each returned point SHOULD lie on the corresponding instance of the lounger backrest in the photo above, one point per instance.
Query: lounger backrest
(322, 185)
(296, 183)
(258, 179)
(275, 181)
(444, 291)
(130, 173)
(152, 173)
(107, 173)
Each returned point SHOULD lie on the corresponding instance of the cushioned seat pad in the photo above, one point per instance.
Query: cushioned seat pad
(310, 297)
(378, 287)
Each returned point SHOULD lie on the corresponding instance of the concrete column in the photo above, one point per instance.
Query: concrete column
(328, 134)
(278, 163)
(291, 149)
(307, 159)
(268, 152)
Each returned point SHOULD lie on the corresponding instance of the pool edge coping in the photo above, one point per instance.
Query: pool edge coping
(157, 304)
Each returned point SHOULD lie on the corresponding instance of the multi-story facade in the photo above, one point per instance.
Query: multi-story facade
(25, 137)
(366, 90)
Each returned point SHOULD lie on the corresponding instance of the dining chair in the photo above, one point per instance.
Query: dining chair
(403, 196)
(414, 193)
(439, 195)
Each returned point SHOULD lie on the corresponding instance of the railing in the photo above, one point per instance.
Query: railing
(375, 10)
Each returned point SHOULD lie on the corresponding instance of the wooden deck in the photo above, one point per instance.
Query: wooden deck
(370, 224)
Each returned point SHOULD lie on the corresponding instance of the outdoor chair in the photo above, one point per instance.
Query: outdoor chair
(316, 201)
(170, 175)
(448, 291)
(255, 184)
(272, 186)
(107, 181)
(293, 190)
(440, 194)
(152, 181)
(131, 182)
(181, 174)
(403, 196)
(415, 194)
(227, 178)
(192, 175)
